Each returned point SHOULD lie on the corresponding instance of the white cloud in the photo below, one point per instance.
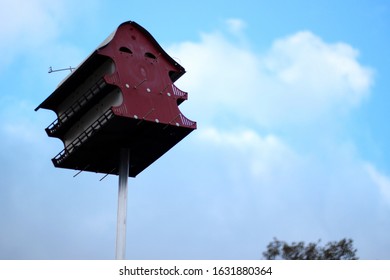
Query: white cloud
(315, 76)
(266, 157)
(299, 80)
(381, 181)
(34, 31)
(235, 25)
(28, 24)
(248, 103)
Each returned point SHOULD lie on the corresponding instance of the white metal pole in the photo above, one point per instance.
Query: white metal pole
(122, 204)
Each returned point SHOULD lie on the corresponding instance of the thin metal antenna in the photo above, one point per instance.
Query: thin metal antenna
(63, 69)
(122, 204)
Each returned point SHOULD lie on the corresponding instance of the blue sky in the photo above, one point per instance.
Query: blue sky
(291, 100)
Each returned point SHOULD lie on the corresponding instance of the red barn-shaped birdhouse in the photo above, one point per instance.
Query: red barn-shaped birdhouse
(122, 96)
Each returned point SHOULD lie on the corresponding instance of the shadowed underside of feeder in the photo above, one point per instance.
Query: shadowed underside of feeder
(122, 96)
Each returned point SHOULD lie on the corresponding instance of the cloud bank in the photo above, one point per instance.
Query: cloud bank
(276, 118)
(301, 79)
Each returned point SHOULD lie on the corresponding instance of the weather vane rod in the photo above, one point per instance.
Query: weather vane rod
(63, 69)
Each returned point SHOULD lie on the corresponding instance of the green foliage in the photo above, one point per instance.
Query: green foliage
(337, 250)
